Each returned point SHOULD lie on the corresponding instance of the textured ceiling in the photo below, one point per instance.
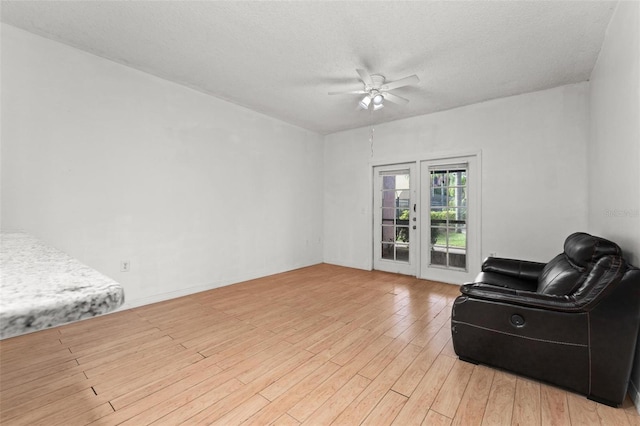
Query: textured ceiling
(281, 58)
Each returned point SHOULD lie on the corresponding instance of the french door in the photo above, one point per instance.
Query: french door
(426, 219)
(395, 219)
(450, 214)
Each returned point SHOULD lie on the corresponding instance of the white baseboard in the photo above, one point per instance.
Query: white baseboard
(135, 303)
(346, 264)
(161, 297)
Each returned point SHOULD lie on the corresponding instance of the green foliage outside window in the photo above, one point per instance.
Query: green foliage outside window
(438, 234)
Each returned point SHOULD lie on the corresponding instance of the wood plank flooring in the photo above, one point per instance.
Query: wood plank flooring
(316, 346)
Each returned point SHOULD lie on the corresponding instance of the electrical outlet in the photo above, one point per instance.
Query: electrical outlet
(492, 254)
(125, 266)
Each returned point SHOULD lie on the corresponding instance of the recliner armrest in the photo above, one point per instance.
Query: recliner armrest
(522, 298)
(515, 268)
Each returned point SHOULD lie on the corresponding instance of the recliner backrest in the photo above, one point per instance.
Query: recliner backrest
(559, 277)
(602, 277)
(583, 249)
(566, 273)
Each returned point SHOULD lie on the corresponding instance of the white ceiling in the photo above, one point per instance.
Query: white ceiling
(281, 58)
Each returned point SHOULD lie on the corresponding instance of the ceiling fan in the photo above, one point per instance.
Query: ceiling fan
(376, 90)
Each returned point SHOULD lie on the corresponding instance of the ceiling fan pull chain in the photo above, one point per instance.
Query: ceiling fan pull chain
(371, 131)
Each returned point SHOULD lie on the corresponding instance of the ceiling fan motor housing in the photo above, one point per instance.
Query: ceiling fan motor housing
(378, 81)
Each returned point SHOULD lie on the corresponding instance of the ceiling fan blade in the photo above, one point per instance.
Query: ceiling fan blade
(366, 78)
(412, 79)
(395, 98)
(350, 92)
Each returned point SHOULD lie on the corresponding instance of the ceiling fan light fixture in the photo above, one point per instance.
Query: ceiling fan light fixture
(378, 106)
(378, 99)
(364, 103)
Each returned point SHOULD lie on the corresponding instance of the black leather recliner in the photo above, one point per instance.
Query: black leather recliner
(572, 322)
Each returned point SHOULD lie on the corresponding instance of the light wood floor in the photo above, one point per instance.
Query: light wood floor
(319, 345)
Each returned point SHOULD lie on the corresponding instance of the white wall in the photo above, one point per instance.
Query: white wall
(107, 163)
(614, 148)
(534, 172)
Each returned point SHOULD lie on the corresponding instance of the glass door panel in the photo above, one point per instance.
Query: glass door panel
(394, 219)
(448, 217)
